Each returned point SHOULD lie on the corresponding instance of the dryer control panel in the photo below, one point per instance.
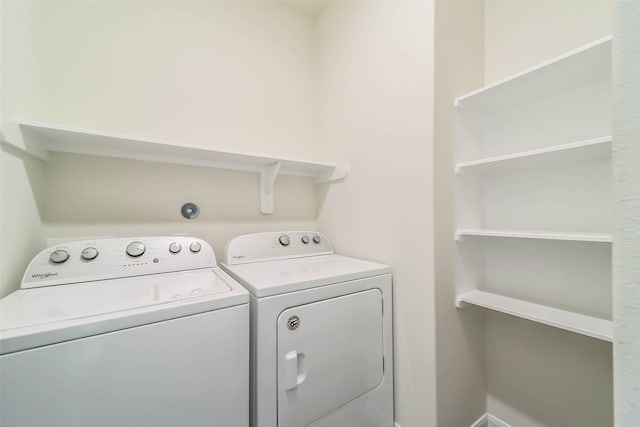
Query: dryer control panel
(100, 259)
(276, 245)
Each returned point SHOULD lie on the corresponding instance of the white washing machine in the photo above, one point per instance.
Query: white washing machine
(321, 332)
(143, 332)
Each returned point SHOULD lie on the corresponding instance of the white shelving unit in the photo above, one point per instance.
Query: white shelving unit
(564, 319)
(558, 156)
(519, 234)
(534, 198)
(39, 139)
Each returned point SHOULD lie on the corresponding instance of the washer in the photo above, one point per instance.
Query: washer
(321, 332)
(136, 332)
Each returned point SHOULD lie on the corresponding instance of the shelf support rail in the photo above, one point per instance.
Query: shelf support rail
(268, 175)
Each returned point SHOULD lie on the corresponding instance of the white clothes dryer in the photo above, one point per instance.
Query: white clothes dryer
(141, 332)
(321, 332)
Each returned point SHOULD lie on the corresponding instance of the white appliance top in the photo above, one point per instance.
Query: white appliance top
(274, 263)
(124, 291)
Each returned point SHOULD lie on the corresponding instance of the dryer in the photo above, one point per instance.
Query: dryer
(143, 332)
(321, 332)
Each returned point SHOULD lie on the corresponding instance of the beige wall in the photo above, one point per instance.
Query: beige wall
(228, 74)
(21, 179)
(626, 275)
(21, 229)
(144, 198)
(523, 33)
(460, 334)
(377, 59)
(538, 376)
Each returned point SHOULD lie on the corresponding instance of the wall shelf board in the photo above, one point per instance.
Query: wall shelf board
(575, 322)
(43, 138)
(39, 139)
(543, 235)
(578, 68)
(597, 149)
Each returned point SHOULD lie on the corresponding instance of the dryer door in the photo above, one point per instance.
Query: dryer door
(329, 353)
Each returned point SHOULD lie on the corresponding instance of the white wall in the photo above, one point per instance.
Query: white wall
(538, 376)
(235, 75)
(626, 249)
(460, 334)
(377, 60)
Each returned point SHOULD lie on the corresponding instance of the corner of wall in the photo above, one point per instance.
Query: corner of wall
(460, 334)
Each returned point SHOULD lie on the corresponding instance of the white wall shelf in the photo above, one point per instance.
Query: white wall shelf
(518, 234)
(534, 193)
(39, 139)
(575, 69)
(575, 322)
(596, 149)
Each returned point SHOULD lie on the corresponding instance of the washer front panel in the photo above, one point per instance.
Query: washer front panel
(190, 371)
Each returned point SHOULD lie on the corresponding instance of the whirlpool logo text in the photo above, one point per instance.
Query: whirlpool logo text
(43, 275)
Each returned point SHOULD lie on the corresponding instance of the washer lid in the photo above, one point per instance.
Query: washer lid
(275, 277)
(41, 316)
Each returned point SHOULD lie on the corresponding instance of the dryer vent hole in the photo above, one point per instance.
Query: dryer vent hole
(190, 210)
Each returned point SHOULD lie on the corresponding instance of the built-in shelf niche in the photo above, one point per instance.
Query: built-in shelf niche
(39, 139)
(534, 193)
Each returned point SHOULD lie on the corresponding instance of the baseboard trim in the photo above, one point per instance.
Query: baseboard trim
(488, 420)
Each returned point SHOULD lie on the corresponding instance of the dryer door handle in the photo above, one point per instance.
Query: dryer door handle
(294, 373)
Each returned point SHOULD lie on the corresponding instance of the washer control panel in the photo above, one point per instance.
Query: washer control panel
(276, 245)
(99, 259)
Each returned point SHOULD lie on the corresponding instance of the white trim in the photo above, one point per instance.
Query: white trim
(496, 422)
(481, 422)
(487, 420)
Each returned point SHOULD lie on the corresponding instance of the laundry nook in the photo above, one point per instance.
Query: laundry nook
(319, 213)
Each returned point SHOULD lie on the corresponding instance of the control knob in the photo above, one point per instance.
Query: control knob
(284, 240)
(135, 249)
(305, 240)
(59, 256)
(195, 247)
(89, 254)
(175, 247)
(316, 239)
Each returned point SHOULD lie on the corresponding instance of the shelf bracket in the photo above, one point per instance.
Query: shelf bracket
(461, 304)
(268, 175)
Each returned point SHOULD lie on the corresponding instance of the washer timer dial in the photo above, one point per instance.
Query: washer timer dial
(89, 253)
(59, 256)
(284, 240)
(135, 249)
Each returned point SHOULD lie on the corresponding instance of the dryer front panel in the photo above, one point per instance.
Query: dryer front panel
(329, 353)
